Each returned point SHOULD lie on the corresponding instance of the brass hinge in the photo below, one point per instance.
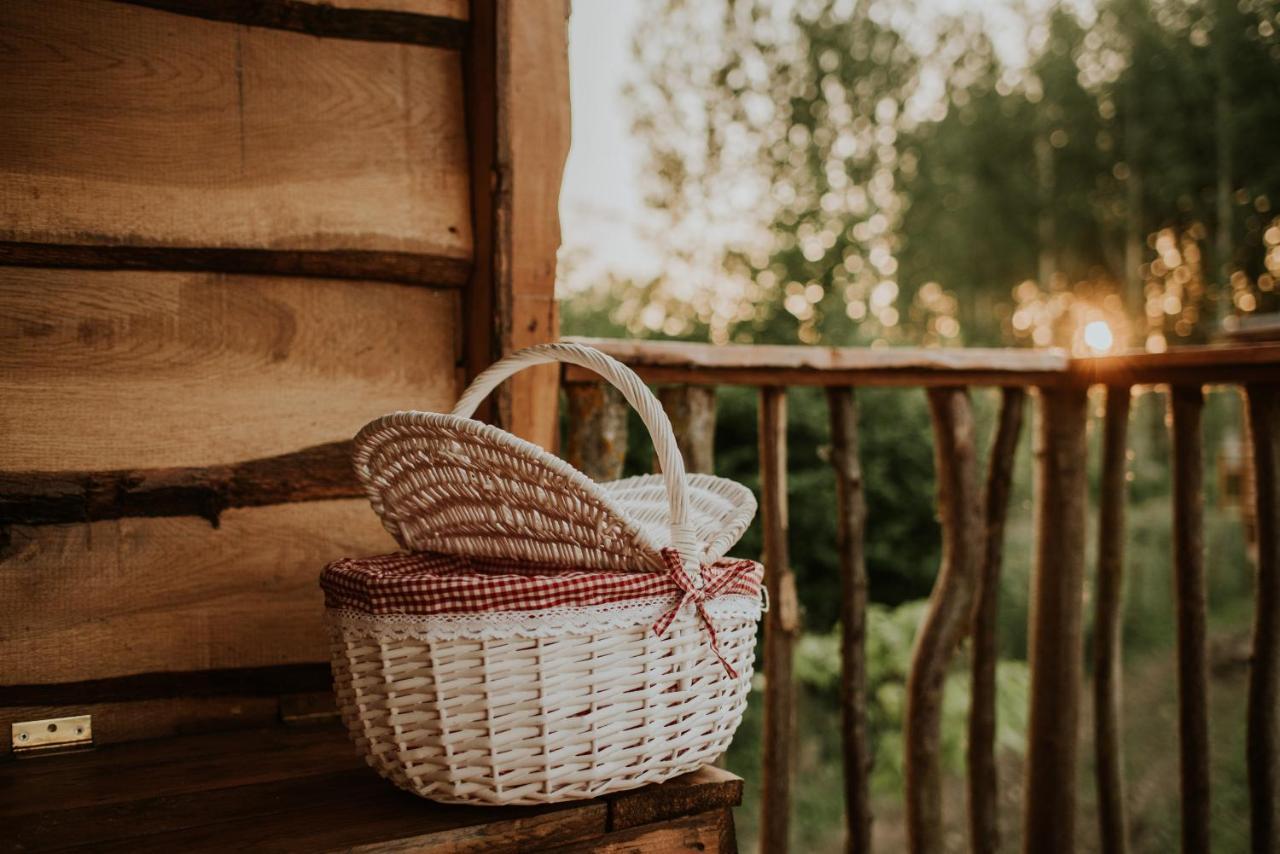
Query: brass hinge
(55, 735)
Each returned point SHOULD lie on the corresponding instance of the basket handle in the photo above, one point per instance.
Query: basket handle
(637, 394)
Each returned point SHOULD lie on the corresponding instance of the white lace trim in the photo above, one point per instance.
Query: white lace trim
(553, 622)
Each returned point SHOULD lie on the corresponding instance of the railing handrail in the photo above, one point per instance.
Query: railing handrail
(801, 365)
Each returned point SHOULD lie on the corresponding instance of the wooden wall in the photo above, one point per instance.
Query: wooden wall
(230, 234)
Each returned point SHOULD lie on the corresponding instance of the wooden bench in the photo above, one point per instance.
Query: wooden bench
(303, 789)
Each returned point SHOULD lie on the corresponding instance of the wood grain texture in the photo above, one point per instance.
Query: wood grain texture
(305, 790)
(124, 370)
(434, 23)
(1263, 738)
(1055, 623)
(1191, 609)
(596, 443)
(127, 125)
(532, 79)
(133, 596)
(851, 521)
(982, 778)
(42, 498)
(947, 617)
(692, 410)
(781, 627)
(1108, 623)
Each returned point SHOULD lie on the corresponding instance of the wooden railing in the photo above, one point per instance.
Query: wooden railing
(964, 597)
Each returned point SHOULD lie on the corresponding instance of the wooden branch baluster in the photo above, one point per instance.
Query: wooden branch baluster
(1186, 403)
(1112, 826)
(782, 625)
(948, 615)
(1054, 647)
(1264, 677)
(984, 827)
(692, 410)
(597, 440)
(851, 515)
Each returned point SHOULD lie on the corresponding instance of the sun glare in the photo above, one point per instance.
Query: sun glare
(1098, 337)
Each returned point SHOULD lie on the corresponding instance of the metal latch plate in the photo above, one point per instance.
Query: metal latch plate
(53, 734)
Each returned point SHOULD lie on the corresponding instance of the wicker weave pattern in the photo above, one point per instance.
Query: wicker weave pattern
(528, 721)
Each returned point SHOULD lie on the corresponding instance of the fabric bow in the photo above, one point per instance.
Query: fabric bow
(715, 578)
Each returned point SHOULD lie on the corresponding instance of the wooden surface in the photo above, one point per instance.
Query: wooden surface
(596, 439)
(692, 410)
(851, 521)
(1108, 623)
(305, 790)
(1186, 365)
(134, 595)
(982, 778)
(1263, 737)
(128, 369)
(756, 364)
(947, 618)
(128, 125)
(1054, 647)
(1191, 609)
(781, 627)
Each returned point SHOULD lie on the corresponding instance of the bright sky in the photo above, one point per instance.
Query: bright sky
(601, 202)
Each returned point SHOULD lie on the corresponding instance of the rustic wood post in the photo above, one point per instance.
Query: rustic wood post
(851, 516)
(1054, 646)
(692, 410)
(1107, 640)
(945, 623)
(1263, 740)
(782, 625)
(597, 436)
(1186, 403)
(984, 827)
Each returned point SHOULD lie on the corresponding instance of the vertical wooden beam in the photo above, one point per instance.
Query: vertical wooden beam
(518, 127)
(1054, 646)
(946, 621)
(597, 426)
(782, 625)
(692, 410)
(851, 517)
(1107, 640)
(1191, 605)
(984, 826)
(1263, 739)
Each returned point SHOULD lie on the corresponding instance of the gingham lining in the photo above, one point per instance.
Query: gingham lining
(430, 583)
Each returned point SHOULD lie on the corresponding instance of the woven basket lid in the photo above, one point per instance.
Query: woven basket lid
(446, 483)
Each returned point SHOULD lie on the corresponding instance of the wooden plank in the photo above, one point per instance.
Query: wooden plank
(271, 681)
(126, 370)
(532, 80)
(1183, 365)
(434, 23)
(133, 126)
(1191, 608)
(983, 780)
(134, 596)
(706, 789)
(406, 267)
(1107, 625)
(692, 410)
(781, 626)
(946, 620)
(755, 364)
(851, 521)
(710, 831)
(1054, 646)
(597, 439)
(313, 474)
(1263, 737)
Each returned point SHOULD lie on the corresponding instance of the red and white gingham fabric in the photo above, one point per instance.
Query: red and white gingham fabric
(429, 583)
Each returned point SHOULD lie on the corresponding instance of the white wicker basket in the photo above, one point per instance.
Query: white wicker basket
(535, 706)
